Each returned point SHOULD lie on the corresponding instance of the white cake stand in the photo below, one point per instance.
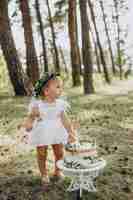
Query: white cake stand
(82, 178)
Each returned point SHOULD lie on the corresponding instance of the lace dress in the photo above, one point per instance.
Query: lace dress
(49, 130)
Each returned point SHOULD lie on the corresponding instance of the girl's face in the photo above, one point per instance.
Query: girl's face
(60, 86)
(54, 89)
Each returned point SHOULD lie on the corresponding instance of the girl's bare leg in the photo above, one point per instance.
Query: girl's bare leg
(42, 160)
(58, 150)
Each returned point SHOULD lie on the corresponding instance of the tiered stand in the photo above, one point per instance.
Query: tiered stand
(82, 179)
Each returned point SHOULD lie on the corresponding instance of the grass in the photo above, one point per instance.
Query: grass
(107, 117)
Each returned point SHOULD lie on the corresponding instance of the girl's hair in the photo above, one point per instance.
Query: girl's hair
(43, 83)
(28, 87)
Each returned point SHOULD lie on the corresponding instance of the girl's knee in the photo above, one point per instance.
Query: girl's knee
(58, 151)
(42, 151)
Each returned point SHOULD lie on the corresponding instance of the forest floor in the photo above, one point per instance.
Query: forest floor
(106, 115)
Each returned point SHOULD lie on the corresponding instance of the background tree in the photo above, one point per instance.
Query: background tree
(9, 51)
(95, 49)
(57, 63)
(118, 37)
(104, 16)
(105, 70)
(74, 49)
(41, 27)
(77, 35)
(31, 57)
(119, 8)
(86, 49)
(63, 59)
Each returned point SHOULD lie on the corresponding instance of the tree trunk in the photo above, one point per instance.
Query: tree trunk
(86, 49)
(108, 38)
(97, 57)
(57, 67)
(96, 50)
(9, 50)
(73, 43)
(106, 74)
(77, 38)
(63, 59)
(45, 58)
(118, 38)
(31, 57)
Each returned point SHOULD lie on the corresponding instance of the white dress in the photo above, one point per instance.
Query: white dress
(49, 130)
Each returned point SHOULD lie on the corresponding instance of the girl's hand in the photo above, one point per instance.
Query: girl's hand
(72, 138)
(25, 139)
(26, 124)
(24, 135)
(75, 124)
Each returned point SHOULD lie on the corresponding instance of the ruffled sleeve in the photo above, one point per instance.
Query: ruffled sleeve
(64, 106)
(33, 104)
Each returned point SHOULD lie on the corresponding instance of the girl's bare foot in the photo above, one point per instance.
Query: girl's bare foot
(45, 180)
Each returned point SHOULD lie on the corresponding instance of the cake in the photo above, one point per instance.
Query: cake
(84, 162)
(83, 149)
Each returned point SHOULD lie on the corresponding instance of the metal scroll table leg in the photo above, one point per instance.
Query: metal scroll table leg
(82, 182)
(78, 195)
(74, 185)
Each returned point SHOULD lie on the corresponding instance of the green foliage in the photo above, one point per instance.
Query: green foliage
(120, 59)
(5, 84)
(61, 10)
(60, 3)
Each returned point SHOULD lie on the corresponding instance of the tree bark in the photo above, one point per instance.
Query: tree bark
(108, 38)
(57, 67)
(86, 49)
(63, 59)
(77, 38)
(118, 38)
(73, 43)
(106, 74)
(96, 51)
(39, 18)
(9, 51)
(31, 57)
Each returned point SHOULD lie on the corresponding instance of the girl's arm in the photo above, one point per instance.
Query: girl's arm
(26, 126)
(29, 120)
(70, 127)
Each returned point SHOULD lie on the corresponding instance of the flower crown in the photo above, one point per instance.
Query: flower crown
(42, 82)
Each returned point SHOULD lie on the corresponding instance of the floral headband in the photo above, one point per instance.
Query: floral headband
(43, 82)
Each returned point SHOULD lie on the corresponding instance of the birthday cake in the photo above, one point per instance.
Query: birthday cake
(85, 162)
(81, 149)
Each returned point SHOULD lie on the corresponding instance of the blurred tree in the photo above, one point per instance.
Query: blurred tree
(95, 49)
(74, 49)
(119, 7)
(108, 37)
(9, 51)
(39, 18)
(105, 70)
(63, 59)
(118, 37)
(31, 57)
(61, 11)
(86, 49)
(57, 63)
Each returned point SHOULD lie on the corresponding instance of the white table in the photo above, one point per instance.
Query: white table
(82, 178)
